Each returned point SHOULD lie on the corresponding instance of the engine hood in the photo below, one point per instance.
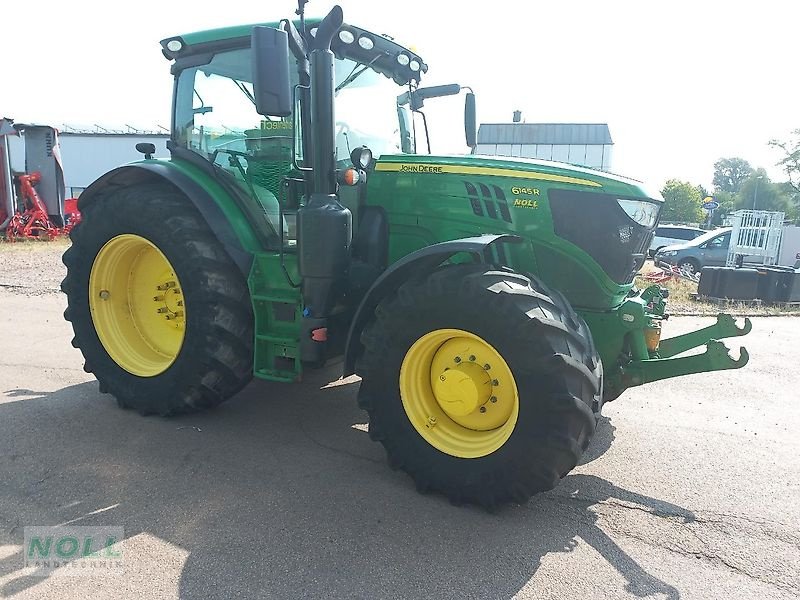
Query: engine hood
(517, 168)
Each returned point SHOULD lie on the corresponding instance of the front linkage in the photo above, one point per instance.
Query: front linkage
(643, 357)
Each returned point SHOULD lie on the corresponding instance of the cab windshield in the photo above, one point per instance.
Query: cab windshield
(215, 114)
(367, 113)
(215, 117)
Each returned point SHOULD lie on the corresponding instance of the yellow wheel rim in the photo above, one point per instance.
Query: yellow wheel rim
(459, 393)
(136, 305)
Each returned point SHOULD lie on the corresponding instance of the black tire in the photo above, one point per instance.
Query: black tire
(216, 358)
(689, 265)
(550, 352)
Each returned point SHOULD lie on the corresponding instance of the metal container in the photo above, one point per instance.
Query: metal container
(775, 283)
(739, 284)
(709, 284)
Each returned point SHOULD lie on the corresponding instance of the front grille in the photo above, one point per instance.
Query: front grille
(597, 224)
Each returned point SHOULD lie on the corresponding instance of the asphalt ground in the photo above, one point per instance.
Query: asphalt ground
(689, 490)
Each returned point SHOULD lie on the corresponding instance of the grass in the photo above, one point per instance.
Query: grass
(681, 301)
(61, 242)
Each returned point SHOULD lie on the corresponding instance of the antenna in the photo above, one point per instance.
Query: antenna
(301, 12)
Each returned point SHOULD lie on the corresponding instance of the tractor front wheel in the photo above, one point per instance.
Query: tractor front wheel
(481, 383)
(160, 312)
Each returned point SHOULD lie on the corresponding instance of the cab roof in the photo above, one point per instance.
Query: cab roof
(382, 53)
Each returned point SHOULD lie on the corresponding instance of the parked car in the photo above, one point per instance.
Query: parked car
(670, 235)
(707, 250)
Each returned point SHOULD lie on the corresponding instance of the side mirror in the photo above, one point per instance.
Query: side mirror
(272, 87)
(147, 149)
(470, 120)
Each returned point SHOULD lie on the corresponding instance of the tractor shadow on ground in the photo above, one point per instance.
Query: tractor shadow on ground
(280, 493)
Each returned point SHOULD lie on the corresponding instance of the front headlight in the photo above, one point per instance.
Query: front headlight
(643, 212)
(668, 253)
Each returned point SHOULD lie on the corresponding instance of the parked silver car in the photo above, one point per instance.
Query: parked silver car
(669, 235)
(708, 250)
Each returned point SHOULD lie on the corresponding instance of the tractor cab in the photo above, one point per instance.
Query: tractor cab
(375, 92)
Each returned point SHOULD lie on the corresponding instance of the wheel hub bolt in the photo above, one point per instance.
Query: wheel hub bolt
(158, 298)
(457, 359)
(486, 367)
(493, 399)
(431, 423)
(105, 294)
(495, 382)
(483, 409)
(472, 358)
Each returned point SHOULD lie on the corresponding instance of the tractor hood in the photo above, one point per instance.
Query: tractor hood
(600, 223)
(532, 170)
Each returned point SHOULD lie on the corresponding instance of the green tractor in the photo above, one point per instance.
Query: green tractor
(486, 303)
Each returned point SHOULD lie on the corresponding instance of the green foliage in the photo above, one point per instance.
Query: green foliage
(682, 202)
(790, 161)
(793, 212)
(730, 174)
(762, 194)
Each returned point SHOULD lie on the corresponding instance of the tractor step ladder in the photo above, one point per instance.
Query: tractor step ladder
(277, 308)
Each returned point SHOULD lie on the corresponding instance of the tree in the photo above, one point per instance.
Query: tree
(759, 193)
(793, 214)
(730, 174)
(790, 162)
(682, 202)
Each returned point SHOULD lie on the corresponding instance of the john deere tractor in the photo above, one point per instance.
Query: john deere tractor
(486, 303)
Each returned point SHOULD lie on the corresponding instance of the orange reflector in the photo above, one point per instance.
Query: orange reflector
(652, 337)
(350, 177)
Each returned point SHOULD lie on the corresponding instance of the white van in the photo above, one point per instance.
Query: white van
(669, 235)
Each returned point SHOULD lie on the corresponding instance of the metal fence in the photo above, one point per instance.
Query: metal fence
(756, 236)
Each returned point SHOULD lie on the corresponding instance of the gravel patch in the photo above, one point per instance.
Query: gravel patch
(32, 268)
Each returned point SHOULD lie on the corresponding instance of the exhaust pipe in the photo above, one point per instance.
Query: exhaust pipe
(324, 226)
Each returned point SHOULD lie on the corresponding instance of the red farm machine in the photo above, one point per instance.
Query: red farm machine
(33, 204)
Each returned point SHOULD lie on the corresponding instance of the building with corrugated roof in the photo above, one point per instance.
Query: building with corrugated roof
(86, 155)
(583, 144)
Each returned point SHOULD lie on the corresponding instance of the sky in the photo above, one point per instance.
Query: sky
(680, 83)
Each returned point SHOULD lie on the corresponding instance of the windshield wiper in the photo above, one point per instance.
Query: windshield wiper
(354, 74)
(245, 91)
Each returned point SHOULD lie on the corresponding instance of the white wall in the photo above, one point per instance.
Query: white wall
(585, 155)
(790, 246)
(87, 157)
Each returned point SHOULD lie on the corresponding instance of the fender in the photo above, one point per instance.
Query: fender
(239, 245)
(416, 264)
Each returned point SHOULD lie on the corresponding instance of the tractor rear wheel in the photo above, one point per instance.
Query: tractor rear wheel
(481, 383)
(160, 312)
